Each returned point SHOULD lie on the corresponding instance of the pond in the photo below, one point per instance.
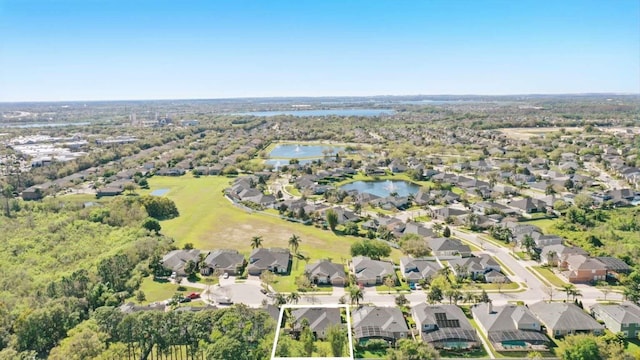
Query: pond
(291, 151)
(159, 192)
(329, 112)
(383, 188)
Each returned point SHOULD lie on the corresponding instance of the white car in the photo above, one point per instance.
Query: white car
(225, 275)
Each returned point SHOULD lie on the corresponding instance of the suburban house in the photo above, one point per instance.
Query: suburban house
(223, 261)
(614, 266)
(619, 318)
(557, 255)
(414, 270)
(444, 326)
(528, 205)
(418, 229)
(320, 319)
(448, 247)
(584, 269)
(562, 319)
(177, 259)
(510, 327)
(275, 260)
(326, 273)
(474, 266)
(444, 213)
(371, 272)
(374, 322)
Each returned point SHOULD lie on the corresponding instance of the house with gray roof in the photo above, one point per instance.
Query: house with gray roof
(320, 319)
(176, 260)
(374, 322)
(275, 260)
(619, 318)
(528, 205)
(224, 261)
(562, 319)
(474, 266)
(448, 247)
(414, 270)
(444, 326)
(326, 273)
(371, 272)
(510, 327)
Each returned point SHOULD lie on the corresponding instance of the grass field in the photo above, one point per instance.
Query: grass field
(549, 276)
(209, 221)
(155, 290)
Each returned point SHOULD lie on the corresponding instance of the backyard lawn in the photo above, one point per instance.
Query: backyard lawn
(160, 290)
(209, 221)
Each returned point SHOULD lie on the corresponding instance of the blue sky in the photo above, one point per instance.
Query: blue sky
(137, 49)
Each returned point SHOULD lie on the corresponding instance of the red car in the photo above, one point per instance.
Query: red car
(193, 296)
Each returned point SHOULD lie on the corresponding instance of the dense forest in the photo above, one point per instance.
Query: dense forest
(62, 259)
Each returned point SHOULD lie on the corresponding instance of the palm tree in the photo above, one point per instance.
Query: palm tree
(256, 242)
(294, 242)
(568, 288)
(528, 243)
(356, 295)
(293, 298)
(575, 293)
(279, 299)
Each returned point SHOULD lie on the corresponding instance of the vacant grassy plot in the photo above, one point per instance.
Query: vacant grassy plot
(549, 276)
(209, 221)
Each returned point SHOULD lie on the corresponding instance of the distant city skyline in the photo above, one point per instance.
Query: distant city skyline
(71, 50)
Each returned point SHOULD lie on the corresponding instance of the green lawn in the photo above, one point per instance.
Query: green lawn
(548, 275)
(209, 221)
(159, 290)
(492, 287)
(632, 346)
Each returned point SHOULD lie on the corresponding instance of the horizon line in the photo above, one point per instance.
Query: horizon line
(327, 96)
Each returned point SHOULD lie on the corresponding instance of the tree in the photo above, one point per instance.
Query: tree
(293, 297)
(355, 295)
(389, 282)
(484, 297)
(7, 194)
(550, 291)
(140, 296)
(446, 232)
(294, 243)
(351, 228)
(256, 242)
(84, 341)
(401, 300)
(306, 337)
(267, 278)
(528, 243)
(579, 347)
(332, 219)
(374, 249)
(568, 288)
(414, 245)
(279, 299)
(130, 188)
(152, 224)
(434, 295)
(337, 337)
(407, 349)
(583, 201)
(190, 268)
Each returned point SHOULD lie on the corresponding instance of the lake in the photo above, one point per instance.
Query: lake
(383, 188)
(334, 112)
(290, 151)
(36, 125)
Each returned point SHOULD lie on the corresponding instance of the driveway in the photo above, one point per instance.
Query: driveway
(247, 292)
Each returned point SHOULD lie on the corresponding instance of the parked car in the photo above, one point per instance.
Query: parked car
(225, 275)
(412, 286)
(264, 291)
(193, 295)
(185, 300)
